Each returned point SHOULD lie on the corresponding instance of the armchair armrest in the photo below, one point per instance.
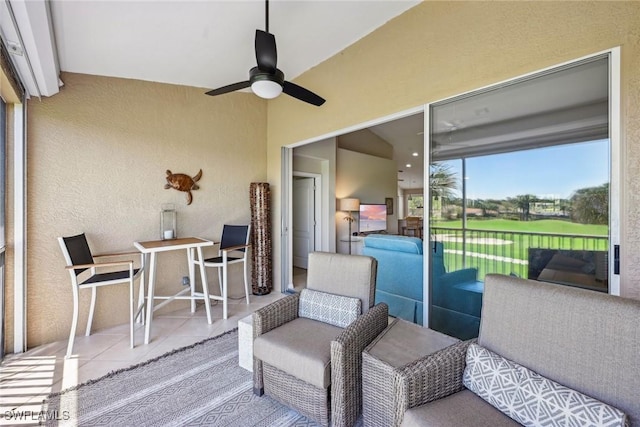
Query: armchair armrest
(128, 263)
(275, 314)
(267, 318)
(430, 378)
(117, 254)
(120, 254)
(235, 248)
(346, 364)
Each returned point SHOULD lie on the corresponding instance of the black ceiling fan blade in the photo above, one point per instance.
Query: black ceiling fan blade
(266, 53)
(302, 94)
(229, 88)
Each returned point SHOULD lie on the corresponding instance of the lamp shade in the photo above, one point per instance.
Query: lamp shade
(349, 205)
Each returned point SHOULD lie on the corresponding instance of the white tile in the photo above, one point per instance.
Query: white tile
(172, 343)
(196, 327)
(98, 368)
(87, 347)
(29, 377)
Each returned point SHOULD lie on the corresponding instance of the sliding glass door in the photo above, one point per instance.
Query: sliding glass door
(520, 184)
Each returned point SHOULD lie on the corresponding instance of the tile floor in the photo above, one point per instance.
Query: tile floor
(27, 378)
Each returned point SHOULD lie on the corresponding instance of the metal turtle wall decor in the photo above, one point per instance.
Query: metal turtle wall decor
(183, 182)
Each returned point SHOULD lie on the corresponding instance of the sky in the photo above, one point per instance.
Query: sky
(552, 172)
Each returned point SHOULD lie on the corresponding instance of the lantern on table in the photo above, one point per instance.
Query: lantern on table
(168, 222)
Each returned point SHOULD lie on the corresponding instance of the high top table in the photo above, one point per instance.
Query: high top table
(150, 250)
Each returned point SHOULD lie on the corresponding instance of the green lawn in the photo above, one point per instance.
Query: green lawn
(498, 241)
(541, 226)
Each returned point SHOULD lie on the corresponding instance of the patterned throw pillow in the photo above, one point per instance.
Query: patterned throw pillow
(530, 398)
(333, 309)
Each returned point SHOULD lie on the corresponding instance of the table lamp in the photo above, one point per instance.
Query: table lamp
(350, 205)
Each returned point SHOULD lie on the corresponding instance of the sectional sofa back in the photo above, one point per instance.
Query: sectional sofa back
(585, 340)
(411, 245)
(399, 283)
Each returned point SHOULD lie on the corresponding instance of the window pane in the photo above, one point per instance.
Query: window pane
(416, 205)
(540, 214)
(532, 166)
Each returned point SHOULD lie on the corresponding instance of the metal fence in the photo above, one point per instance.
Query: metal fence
(506, 252)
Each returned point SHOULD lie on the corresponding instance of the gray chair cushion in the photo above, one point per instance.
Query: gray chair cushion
(459, 409)
(301, 348)
(584, 340)
(348, 275)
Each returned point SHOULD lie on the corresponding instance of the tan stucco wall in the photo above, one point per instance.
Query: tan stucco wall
(97, 155)
(370, 179)
(440, 49)
(9, 229)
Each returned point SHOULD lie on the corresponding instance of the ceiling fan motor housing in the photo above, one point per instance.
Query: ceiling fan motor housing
(256, 75)
(266, 85)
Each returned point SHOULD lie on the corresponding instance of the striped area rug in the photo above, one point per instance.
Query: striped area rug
(199, 385)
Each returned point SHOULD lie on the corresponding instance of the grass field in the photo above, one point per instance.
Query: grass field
(541, 226)
(491, 245)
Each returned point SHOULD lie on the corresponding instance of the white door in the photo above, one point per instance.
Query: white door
(303, 220)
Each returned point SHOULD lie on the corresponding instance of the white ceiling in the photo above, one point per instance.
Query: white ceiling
(206, 43)
(406, 135)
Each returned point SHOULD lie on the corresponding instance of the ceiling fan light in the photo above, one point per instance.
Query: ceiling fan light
(266, 89)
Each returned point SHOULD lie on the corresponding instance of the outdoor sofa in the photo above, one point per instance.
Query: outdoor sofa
(547, 354)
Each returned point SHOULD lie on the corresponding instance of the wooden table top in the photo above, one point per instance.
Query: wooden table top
(172, 244)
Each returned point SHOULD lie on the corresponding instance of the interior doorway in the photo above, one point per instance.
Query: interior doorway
(305, 214)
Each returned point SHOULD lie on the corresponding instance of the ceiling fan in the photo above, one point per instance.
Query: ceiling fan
(266, 80)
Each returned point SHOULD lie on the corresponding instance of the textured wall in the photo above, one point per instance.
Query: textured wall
(369, 178)
(440, 49)
(97, 155)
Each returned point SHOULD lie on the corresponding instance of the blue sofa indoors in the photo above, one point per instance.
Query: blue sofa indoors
(456, 296)
(399, 280)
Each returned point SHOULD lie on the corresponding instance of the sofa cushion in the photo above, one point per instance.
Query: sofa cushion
(336, 310)
(411, 245)
(301, 348)
(531, 399)
(585, 340)
(459, 409)
(341, 274)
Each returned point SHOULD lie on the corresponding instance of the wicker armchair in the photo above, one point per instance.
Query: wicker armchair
(312, 366)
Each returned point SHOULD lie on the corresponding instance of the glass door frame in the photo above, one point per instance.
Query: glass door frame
(616, 166)
(3, 180)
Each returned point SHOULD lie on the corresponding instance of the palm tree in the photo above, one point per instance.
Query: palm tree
(489, 205)
(523, 202)
(564, 206)
(442, 181)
